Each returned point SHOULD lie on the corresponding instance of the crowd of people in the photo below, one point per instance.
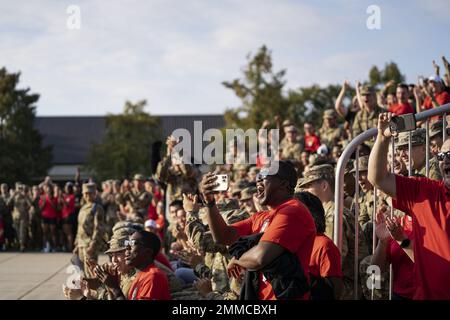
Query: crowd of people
(270, 234)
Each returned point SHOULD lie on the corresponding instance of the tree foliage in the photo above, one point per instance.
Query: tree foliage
(22, 155)
(127, 144)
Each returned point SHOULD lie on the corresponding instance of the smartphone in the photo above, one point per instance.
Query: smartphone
(222, 180)
(402, 123)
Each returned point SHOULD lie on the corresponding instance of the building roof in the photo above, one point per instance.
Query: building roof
(72, 136)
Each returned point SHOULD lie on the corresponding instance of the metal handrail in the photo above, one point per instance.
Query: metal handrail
(345, 157)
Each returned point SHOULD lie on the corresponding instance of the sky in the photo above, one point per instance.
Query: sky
(176, 54)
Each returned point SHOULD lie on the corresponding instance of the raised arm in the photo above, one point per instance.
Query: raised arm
(221, 232)
(378, 173)
(338, 106)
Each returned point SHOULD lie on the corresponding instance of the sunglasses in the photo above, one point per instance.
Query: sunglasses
(131, 242)
(442, 155)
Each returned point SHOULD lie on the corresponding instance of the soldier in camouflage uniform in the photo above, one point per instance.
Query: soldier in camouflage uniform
(111, 206)
(319, 180)
(367, 117)
(216, 256)
(290, 147)
(35, 229)
(90, 234)
(330, 133)
(436, 138)
(366, 201)
(418, 154)
(179, 178)
(5, 211)
(21, 204)
(138, 197)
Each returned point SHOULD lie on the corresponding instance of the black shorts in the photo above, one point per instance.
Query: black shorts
(49, 221)
(67, 220)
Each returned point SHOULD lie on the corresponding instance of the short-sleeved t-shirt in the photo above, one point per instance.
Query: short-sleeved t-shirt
(428, 202)
(69, 205)
(150, 284)
(289, 225)
(325, 259)
(401, 108)
(312, 143)
(441, 98)
(49, 211)
(402, 265)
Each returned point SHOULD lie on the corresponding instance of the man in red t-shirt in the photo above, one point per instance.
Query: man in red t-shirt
(402, 106)
(311, 140)
(435, 97)
(150, 283)
(288, 225)
(428, 203)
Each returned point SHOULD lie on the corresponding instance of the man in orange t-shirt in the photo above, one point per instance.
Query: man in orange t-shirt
(402, 106)
(288, 225)
(428, 203)
(150, 283)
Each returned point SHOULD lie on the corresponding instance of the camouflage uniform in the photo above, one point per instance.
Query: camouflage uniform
(111, 207)
(21, 209)
(216, 256)
(365, 119)
(178, 181)
(330, 136)
(291, 150)
(418, 137)
(35, 231)
(90, 230)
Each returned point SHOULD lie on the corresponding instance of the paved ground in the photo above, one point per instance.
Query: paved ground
(33, 276)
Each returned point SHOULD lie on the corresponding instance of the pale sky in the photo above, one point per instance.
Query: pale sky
(175, 54)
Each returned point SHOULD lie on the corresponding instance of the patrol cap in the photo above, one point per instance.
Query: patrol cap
(286, 123)
(367, 90)
(417, 138)
(330, 113)
(436, 129)
(316, 173)
(117, 243)
(247, 193)
(254, 170)
(363, 164)
(291, 128)
(89, 187)
(229, 204)
(139, 177)
(240, 167)
(233, 216)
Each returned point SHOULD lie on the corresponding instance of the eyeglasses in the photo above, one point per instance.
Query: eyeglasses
(262, 174)
(442, 155)
(131, 242)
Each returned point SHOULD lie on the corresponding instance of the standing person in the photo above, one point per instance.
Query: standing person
(35, 231)
(330, 134)
(402, 106)
(5, 211)
(311, 140)
(290, 146)
(58, 194)
(21, 207)
(89, 239)
(68, 210)
(48, 206)
(288, 226)
(428, 203)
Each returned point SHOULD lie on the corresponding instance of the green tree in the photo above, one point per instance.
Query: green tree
(392, 72)
(374, 76)
(261, 92)
(23, 157)
(126, 146)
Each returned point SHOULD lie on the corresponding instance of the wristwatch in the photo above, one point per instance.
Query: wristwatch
(405, 243)
(210, 204)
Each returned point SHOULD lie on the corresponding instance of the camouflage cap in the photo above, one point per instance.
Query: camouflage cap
(315, 173)
(286, 123)
(229, 204)
(116, 245)
(330, 113)
(139, 177)
(417, 138)
(240, 166)
(254, 170)
(247, 193)
(435, 128)
(89, 187)
(291, 129)
(126, 225)
(367, 90)
(363, 164)
(233, 216)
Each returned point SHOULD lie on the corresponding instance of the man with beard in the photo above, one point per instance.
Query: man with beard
(287, 225)
(428, 202)
(150, 283)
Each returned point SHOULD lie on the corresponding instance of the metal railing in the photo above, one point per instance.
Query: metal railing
(339, 182)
